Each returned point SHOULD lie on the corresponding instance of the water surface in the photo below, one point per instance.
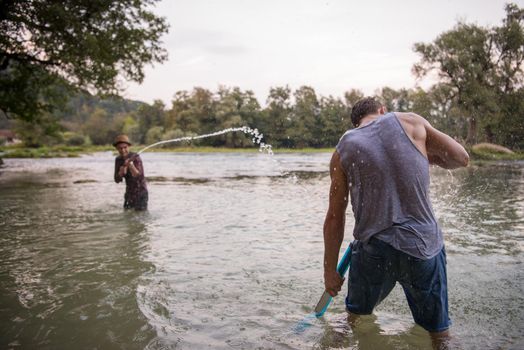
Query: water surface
(229, 255)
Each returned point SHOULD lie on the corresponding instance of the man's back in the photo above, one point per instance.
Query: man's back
(388, 179)
(394, 184)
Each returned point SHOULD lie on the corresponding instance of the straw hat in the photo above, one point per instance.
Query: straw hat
(121, 139)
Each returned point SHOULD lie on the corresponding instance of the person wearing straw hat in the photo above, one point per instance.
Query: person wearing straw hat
(129, 166)
(382, 168)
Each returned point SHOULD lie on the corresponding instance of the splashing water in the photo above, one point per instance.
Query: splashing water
(325, 300)
(305, 323)
(257, 138)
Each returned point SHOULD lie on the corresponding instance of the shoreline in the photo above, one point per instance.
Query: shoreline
(61, 151)
(76, 151)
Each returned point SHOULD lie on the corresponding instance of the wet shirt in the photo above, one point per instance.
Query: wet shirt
(135, 186)
(388, 179)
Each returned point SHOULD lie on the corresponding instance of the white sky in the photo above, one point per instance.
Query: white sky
(330, 45)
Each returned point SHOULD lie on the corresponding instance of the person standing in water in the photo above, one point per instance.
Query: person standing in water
(383, 167)
(129, 166)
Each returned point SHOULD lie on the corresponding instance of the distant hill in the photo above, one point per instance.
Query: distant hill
(80, 107)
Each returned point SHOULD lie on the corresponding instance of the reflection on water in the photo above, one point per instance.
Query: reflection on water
(66, 266)
(481, 208)
(229, 255)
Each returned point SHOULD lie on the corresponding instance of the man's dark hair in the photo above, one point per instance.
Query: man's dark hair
(365, 106)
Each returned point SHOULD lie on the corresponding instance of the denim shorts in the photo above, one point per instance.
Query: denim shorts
(376, 267)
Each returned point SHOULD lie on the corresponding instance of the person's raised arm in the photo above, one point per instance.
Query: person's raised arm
(135, 166)
(443, 150)
(334, 225)
(119, 173)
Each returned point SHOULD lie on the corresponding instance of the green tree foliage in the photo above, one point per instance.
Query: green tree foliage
(154, 134)
(277, 117)
(179, 114)
(351, 97)
(235, 108)
(305, 118)
(192, 112)
(90, 44)
(148, 116)
(45, 131)
(395, 100)
(334, 120)
(101, 128)
(101, 118)
(480, 70)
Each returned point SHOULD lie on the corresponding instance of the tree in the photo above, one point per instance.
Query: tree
(178, 116)
(149, 116)
(277, 117)
(102, 129)
(351, 97)
(479, 68)
(394, 100)
(335, 119)
(46, 46)
(192, 112)
(235, 108)
(46, 131)
(305, 125)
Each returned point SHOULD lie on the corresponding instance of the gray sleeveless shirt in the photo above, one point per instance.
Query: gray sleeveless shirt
(388, 180)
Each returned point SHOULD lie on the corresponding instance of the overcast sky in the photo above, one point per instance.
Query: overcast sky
(331, 45)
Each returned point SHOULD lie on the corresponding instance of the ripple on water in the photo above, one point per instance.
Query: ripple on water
(230, 255)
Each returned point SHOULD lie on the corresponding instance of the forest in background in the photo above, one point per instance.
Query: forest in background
(478, 97)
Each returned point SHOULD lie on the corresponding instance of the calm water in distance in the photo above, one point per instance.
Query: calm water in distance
(229, 256)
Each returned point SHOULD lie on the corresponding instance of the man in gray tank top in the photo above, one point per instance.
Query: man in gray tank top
(383, 167)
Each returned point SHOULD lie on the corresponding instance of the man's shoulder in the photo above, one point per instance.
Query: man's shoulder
(410, 118)
(415, 127)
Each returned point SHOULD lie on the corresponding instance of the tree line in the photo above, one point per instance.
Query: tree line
(478, 94)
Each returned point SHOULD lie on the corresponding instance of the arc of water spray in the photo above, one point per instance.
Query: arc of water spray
(257, 138)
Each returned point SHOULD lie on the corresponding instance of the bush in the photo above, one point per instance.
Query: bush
(489, 151)
(154, 135)
(74, 139)
(491, 148)
(173, 134)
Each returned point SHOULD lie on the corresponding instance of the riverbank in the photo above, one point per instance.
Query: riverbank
(62, 151)
(76, 151)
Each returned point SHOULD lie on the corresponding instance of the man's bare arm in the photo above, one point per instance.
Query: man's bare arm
(443, 150)
(440, 149)
(334, 225)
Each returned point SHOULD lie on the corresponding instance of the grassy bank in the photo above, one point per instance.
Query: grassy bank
(485, 152)
(18, 151)
(61, 151)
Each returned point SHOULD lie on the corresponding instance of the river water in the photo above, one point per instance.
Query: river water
(229, 256)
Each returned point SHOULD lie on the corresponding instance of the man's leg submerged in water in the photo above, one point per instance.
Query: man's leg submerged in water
(375, 269)
(439, 340)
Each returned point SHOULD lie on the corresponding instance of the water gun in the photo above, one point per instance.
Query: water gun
(342, 268)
